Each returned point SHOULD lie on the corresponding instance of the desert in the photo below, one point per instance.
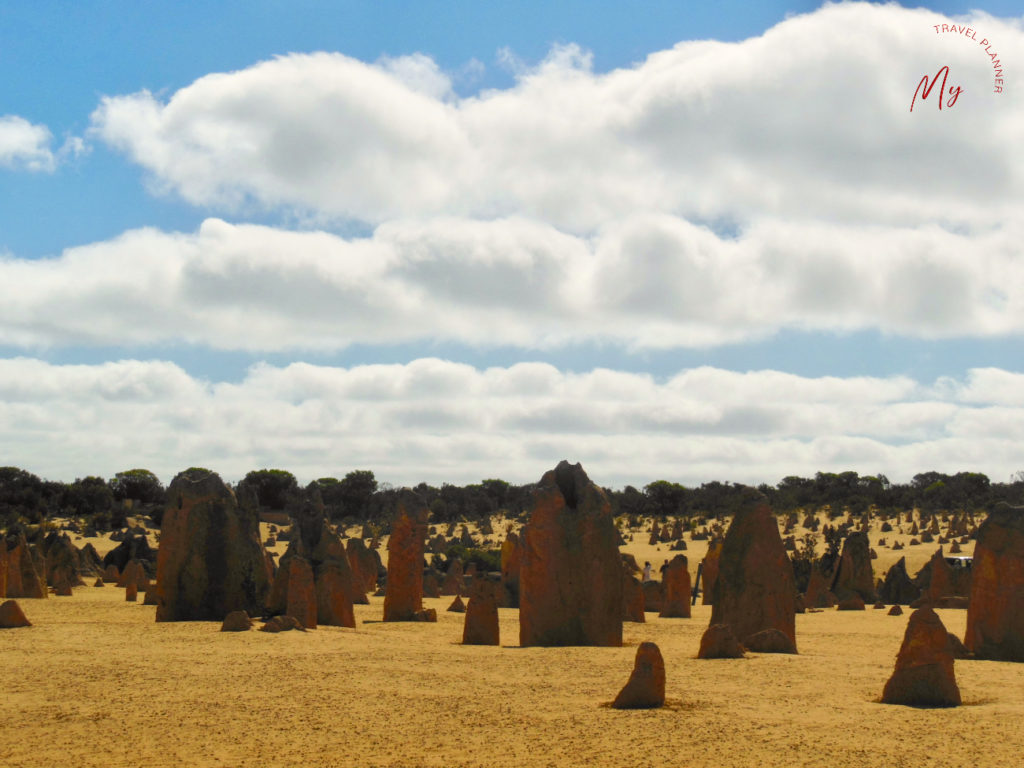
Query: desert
(100, 680)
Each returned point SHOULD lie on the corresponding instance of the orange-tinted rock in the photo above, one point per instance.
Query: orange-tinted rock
(282, 624)
(852, 603)
(453, 579)
(111, 574)
(632, 598)
(853, 574)
(321, 588)
(940, 583)
(646, 686)
(995, 614)
(676, 578)
(719, 642)
(211, 560)
(755, 588)
(134, 546)
(769, 641)
(236, 621)
(709, 571)
(896, 611)
(431, 583)
(134, 573)
(817, 589)
(457, 605)
(425, 614)
(24, 579)
(333, 587)
(571, 574)
(364, 564)
(653, 595)
(404, 596)
(302, 599)
(131, 592)
(481, 626)
(98, 582)
(957, 648)
(151, 598)
(62, 569)
(923, 676)
(12, 617)
(897, 587)
(63, 589)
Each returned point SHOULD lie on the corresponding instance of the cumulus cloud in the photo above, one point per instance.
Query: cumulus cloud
(25, 145)
(646, 281)
(432, 420)
(809, 120)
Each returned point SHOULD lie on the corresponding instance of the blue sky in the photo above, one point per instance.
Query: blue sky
(567, 219)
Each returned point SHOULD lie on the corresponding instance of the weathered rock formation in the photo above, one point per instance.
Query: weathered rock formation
(457, 605)
(755, 588)
(236, 621)
(653, 595)
(12, 617)
(923, 676)
(404, 597)
(135, 547)
(282, 624)
(852, 603)
(632, 598)
(134, 573)
(646, 686)
(709, 571)
(769, 641)
(211, 560)
(62, 567)
(676, 578)
(365, 564)
(299, 591)
(898, 589)
(24, 579)
(995, 615)
(719, 642)
(571, 572)
(853, 574)
(314, 581)
(453, 579)
(481, 626)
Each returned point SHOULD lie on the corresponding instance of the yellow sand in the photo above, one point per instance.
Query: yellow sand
(96, 682)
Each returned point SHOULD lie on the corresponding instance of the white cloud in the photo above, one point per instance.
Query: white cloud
(648, 281)
(809, 120)
(440, 421)
(25, 145)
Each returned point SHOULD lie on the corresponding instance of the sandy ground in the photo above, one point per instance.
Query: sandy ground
(96, 682)
(637, 544)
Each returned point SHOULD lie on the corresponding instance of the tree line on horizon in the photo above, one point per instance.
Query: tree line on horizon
(358, 496)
